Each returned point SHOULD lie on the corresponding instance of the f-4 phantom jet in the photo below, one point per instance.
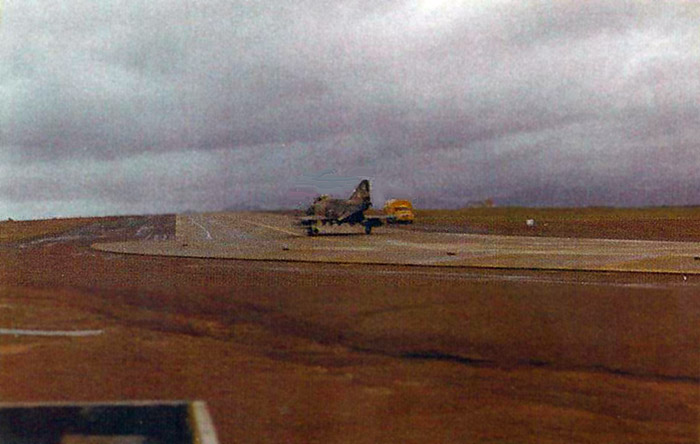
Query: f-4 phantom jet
(326, 210)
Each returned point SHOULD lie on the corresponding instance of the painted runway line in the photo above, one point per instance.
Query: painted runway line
(56, 333)
(200, 226)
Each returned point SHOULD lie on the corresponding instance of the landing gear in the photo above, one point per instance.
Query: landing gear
(371, 223)
(312, 231)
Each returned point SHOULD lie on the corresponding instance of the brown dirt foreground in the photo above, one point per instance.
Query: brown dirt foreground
(321, 353)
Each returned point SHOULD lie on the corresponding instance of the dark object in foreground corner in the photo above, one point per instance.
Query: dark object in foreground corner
(107, 423)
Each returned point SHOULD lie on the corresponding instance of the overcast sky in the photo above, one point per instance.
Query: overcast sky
(147, 106)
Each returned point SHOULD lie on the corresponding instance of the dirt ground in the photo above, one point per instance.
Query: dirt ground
(292, 352)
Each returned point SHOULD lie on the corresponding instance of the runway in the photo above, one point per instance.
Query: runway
(274, 237)
(287, 351)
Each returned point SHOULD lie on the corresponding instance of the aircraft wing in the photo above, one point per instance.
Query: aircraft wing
(311, 220)
(369, 222)
(382, 217)
(379, 219)
(376, 219)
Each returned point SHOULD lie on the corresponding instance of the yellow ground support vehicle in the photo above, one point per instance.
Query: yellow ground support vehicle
(402, 210)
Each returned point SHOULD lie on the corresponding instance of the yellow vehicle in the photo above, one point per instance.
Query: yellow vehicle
(402, 210)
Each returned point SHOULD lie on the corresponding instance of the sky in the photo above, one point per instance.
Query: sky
(161, 106)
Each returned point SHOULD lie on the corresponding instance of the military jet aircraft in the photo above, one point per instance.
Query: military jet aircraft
(326, 210)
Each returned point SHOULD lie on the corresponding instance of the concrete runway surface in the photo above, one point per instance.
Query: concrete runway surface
(265, 236)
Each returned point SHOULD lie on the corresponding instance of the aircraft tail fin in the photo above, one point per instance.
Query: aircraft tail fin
(361, 193)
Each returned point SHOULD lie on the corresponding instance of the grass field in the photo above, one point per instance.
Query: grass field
(658, 223)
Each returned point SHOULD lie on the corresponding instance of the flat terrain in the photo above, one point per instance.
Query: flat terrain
(316, 352)
(259, 236)
(659, 223)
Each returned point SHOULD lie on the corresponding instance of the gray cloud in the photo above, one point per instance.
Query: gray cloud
(130, 106)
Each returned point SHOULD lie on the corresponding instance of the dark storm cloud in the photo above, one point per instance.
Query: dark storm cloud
(114, 106)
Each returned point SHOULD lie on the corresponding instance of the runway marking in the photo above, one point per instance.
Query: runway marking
(343, 249)
(282, 230)
(200, 226)
(69, 333)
